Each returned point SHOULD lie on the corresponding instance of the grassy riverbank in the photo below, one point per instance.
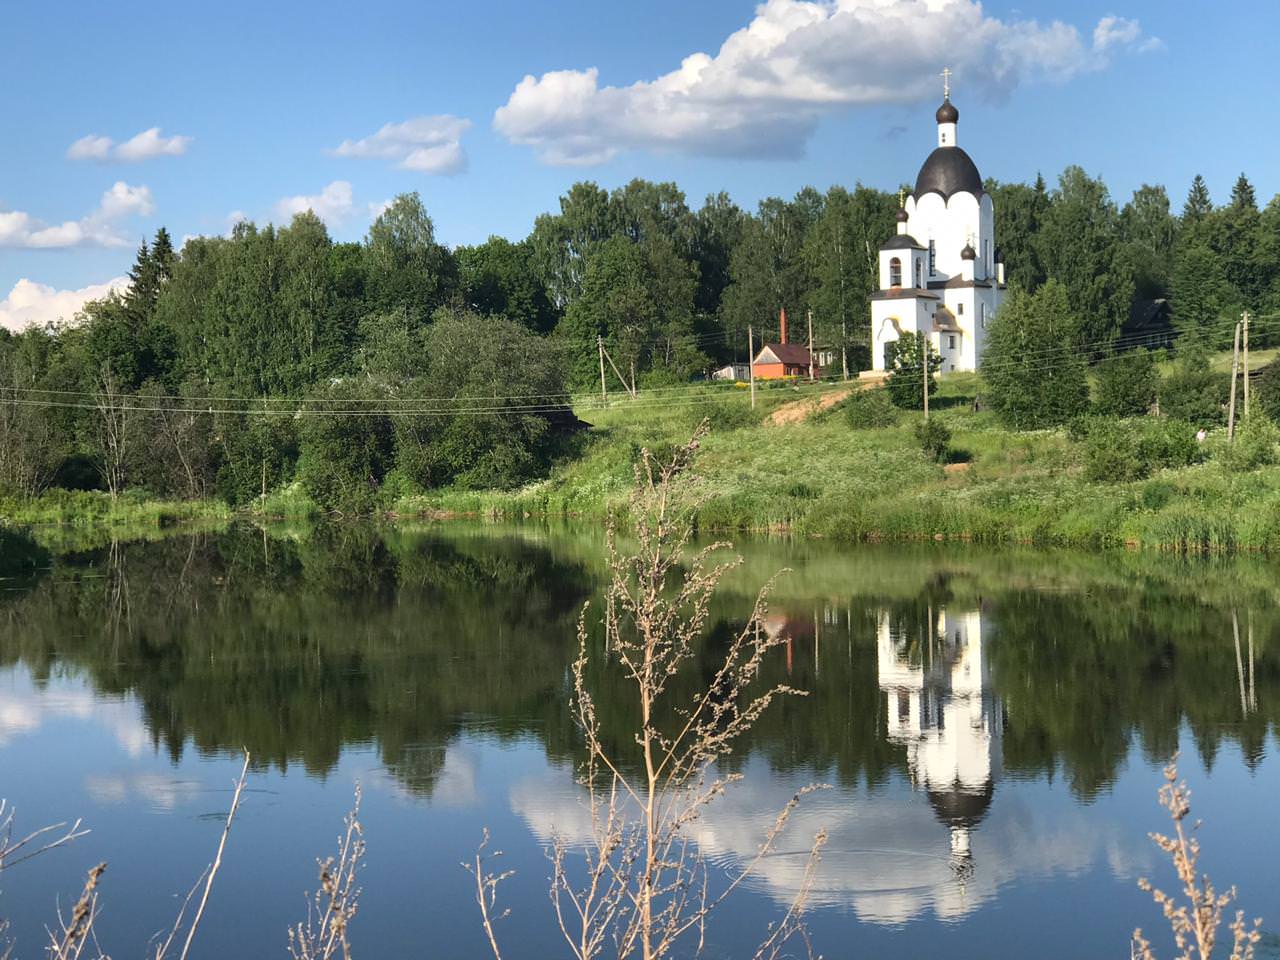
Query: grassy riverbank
(97, 508)
(821, 478)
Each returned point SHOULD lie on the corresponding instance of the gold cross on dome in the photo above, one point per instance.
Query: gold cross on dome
(946, 83)
(902, 197)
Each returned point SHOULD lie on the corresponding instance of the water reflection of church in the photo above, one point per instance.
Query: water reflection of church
(941, 708)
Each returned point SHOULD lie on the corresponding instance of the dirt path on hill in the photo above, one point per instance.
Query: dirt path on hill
(800, 410)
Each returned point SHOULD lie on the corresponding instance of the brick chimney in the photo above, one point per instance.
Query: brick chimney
(782, 323)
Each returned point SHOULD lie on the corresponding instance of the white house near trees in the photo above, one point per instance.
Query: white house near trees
(942, 274)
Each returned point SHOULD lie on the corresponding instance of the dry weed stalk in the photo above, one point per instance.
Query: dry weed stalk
(14, 852)
(487, 890)
(76, 932)
(336, 900)
(1196, 921)
(209, 875)
(644, 884)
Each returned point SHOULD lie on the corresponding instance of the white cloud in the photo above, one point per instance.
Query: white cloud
(146, 145)
(98, 229)
(765, 90)
(423, 144)
(333, 204)
(31, 304)
(90, 148)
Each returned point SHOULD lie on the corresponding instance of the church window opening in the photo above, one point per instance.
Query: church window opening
(895, 272)
(919, 268)
(951, 341)
(933, 258)
(982, 313)
(986, 254)
(960, 309)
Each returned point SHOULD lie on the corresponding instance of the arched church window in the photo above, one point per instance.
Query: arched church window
(895, 272)
(933, 258)
(919, 273)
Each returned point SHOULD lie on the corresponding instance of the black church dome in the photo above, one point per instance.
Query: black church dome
(948, 171)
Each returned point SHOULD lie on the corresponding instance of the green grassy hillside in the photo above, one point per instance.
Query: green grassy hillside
(822, 478)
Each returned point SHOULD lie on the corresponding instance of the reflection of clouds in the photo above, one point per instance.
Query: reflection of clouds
(455, 785)
(887, 857)
(25, 707)
(15, 719)
(160, 792)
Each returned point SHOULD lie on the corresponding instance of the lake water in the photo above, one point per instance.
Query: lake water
(991, 725)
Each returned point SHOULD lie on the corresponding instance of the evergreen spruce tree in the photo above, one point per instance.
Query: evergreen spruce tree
(144, 284)
(1243, 196)
(1033, 365)
(1198, 205)
(163, 255)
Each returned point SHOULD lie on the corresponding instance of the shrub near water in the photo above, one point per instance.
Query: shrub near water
(1254, 447)
(934, 438)
(870, 410)
(1123, 450)
(1126, 385)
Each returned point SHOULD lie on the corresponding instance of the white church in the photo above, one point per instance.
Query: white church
(942, 275)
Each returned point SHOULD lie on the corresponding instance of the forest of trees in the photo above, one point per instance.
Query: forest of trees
(420, 365)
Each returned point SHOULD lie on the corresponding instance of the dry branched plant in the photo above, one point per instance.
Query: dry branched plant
(207, 878)
(330, 911)
(75, 932)
(644, 884)
(15, 851)
(1195, 920)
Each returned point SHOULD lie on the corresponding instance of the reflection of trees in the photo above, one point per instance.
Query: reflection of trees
(295, 650)
(352, 634)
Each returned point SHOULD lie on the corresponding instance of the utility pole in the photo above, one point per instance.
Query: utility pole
(844, 334)
(1235, 372)
(604, 391)
(1246, 364)
(751, 363)
(812, 375)
(630, 387)
(924, 364)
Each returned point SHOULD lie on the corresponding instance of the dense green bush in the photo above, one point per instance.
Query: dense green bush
(1195, 393)
(494, 387)
(1124, 450)
(1267, 391)
(1126, 384)
(870, 410)
(934, 438)
(1032, 363)
(906, 371)
(348, 449)
(256, 452)
(1255, 446)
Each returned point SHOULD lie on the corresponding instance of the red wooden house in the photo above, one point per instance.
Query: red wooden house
(778, 360)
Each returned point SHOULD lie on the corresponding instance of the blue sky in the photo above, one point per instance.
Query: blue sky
(244, 108)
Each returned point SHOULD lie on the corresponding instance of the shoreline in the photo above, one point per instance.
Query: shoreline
(142, 518)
